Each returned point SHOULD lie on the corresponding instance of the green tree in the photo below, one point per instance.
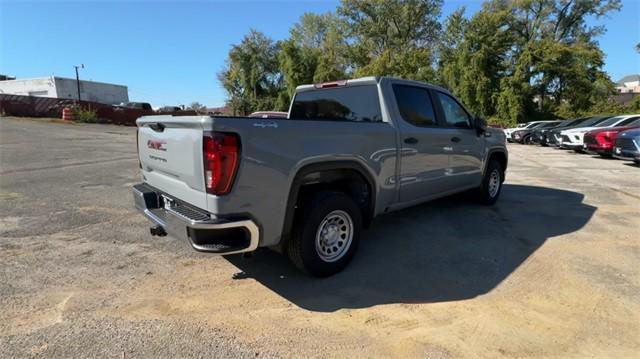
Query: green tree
(513, 60)
(333, 62)
(483, 60)
(449, 67)
(251, 76)
(392, 37)
(197, 106)
(315, 51)
(526, 59)
(634, 106)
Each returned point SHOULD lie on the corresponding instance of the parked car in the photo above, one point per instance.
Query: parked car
(627, 145)
(307, 185)
(509, 131)
(587, 123)
(601, 141)
(269, 114)
(539, 135)
(552, 135)
(573, 138)
(169, 109)
(524, 135)
(536, 133)
(135, 105)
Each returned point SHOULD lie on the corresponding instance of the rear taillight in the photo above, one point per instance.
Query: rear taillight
(221, 153)
(606, 137)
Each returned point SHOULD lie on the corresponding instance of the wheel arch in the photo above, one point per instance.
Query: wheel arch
(342, 175)
(500, 155)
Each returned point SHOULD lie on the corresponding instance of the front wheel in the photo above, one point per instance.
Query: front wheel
(489, 190)
(326, 234)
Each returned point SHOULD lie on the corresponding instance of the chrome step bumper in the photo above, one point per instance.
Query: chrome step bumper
(205, 232)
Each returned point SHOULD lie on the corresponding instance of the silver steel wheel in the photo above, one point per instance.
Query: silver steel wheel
(494, 183)
(334, 236)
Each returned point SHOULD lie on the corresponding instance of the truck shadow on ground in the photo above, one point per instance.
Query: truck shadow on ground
(449, 249)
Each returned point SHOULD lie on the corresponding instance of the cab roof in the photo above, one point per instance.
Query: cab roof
(369, 80)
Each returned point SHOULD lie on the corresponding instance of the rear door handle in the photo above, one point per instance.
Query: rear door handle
(411, 140)
(455, 139)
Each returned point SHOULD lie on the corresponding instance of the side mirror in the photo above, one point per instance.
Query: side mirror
(480, 125)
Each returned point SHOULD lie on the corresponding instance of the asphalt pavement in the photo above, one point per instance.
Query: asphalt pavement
(553, 270)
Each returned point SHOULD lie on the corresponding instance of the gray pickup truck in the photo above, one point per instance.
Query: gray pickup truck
(308, 184)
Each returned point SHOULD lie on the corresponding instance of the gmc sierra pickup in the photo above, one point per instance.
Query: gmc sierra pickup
(308, 184)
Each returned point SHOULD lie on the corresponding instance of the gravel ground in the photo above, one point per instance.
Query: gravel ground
(553, 270)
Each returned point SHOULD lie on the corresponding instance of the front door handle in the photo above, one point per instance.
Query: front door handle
(411, 140)
(455, 139)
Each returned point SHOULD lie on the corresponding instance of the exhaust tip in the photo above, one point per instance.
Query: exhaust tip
(157, 231)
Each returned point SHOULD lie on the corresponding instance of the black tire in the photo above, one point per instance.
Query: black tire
(526, 140)
(301, 248)
(486, 195)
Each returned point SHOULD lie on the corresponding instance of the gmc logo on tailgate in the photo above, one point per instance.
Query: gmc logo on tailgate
(157, 145)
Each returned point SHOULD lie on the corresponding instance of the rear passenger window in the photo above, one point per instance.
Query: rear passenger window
(454, 114)
(628, 121)
(634, 122)
(351, 103)
(415, 105)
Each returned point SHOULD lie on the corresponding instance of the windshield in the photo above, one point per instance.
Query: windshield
(592, 121)
(569, 123)
(630, 121)
(635, 122)
(539, 125)
(610, 121)
(550, 124)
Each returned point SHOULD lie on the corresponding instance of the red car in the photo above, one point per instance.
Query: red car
(601, 141)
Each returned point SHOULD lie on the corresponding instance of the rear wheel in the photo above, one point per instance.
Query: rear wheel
(489, 190)
(326, 234)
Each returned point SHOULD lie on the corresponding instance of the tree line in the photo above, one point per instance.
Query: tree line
(513, 60)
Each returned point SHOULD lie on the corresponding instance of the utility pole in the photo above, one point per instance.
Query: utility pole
(78, 79)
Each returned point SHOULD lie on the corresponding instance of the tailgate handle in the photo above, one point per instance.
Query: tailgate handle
(158, 127)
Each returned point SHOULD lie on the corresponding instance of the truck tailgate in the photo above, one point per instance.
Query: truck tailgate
(170, 152)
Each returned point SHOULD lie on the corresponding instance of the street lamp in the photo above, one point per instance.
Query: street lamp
(78, 79)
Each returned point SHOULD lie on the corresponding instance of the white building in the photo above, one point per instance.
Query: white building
(60, 87)
(629, 84)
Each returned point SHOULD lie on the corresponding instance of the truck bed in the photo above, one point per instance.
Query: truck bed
(272, 152)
